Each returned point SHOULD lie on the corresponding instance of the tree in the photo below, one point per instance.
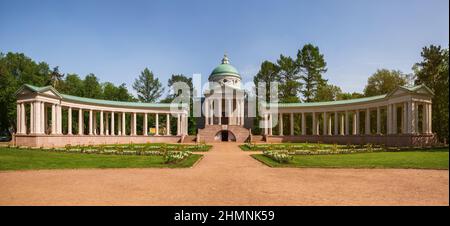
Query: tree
(192, 122)
(289, 79)
(112, 92)
(433, 72)
(348, 96)
(327, 92)
(92, 87)
(384, 81)
(148, 88)
(268, 74)
(72, 85)
(311, 65)
(17, 69)
(56, 77)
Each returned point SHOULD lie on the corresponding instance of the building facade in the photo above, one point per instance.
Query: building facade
(46, 118)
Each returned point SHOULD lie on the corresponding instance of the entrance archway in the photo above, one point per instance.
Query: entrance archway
(225, 136)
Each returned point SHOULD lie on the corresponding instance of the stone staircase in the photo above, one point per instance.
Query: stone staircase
(189, 139)
(208, 134)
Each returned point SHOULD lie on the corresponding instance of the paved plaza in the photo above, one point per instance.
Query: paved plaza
(225, 176)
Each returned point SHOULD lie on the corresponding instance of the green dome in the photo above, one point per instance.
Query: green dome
(224, 69)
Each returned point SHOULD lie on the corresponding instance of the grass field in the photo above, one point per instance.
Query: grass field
(437, 159)
(19, 159)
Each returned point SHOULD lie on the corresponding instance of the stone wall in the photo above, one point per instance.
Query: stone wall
(389, 140)
(62, 140)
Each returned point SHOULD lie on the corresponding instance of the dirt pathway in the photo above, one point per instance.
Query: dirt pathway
(225, 176)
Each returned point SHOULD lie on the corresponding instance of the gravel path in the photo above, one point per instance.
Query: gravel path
(225, 176)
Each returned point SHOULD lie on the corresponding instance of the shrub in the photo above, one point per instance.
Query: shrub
(278, 156)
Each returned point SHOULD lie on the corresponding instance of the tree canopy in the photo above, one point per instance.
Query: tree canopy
(384, 81)
(433, 72)
(148, 88)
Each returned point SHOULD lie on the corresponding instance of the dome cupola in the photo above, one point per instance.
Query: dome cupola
(224, 70)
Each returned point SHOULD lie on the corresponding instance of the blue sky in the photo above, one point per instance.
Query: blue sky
(117, 39)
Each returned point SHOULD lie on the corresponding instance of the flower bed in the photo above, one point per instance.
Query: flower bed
(176, 156)
(279, 156)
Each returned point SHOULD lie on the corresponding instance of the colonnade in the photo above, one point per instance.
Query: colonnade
(398, 118)
(36, 122)
(217, 108)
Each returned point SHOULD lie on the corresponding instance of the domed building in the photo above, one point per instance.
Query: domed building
(223, 106)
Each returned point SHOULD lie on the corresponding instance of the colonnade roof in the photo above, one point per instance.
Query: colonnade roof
(85, 100)
(419, 89)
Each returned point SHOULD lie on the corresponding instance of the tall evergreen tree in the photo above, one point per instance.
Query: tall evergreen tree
(192, 122)
(268, 73)
(148, 88)
(433, 72)
(289, 80)
(311, 65)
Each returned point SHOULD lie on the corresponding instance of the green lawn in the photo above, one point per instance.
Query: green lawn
(19, 159)
(437, 159)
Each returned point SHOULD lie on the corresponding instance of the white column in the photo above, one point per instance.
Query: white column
(280, 125)
(219, 107)
(266, 124)
(430, 119)
(389, 119)
(347, 124)
(238, 112)
(157, 124)
(107, 124)
(292, 124)
(80, 121)
(178, 125)
(18, 119)
(69, 121)
(378, 120)
(90, 122)
(206, 110)
(54, 119)
(424, 118)
(329, 126)
(186, 129)
(102, 127)
(314, 122)
(59, 119)
(411, 118)
(394, 119)
(37, 117)
(405, 118)
(94, 122)
(342, 131)
(336, 123)
(23, 120)
(355, 123)
(230, 112)
(133, 124)
(416, 117)
(124, 124)
(303, 123)
(45, 113)
(145, 132)
(31, 118)
(367, 122)
(168, 124)
(42, 117)
(112, 124)
(325, 123)
(271, 124)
